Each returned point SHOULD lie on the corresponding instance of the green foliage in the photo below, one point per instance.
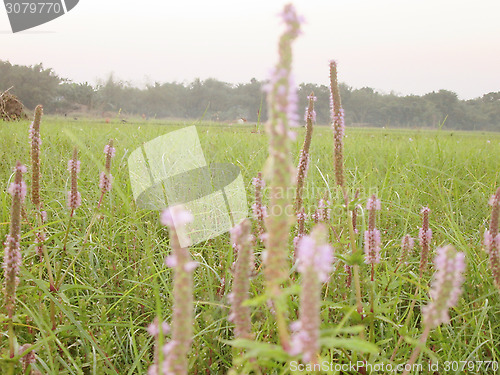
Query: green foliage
(119, 283)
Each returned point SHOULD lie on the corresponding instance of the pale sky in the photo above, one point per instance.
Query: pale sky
(409, 47)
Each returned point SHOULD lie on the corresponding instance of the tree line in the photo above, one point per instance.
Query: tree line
(219, 101)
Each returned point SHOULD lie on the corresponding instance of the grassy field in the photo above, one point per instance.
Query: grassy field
(119, 283)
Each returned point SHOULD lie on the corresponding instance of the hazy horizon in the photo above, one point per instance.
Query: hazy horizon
(390, 46)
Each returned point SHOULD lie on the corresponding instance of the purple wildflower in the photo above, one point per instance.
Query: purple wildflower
(106, 178)
(282, 101)
(240, 314)
(258, 208)
(315, 263)
(12, 252)
(446, 286)
(176, 351)
(74, 197)
(372, 235)
(424, 236)
(492, 238)
(28, 358)
(176, 216)
(304, 153)
(338, 125)
(36, 142)
(301, 229)
(323, 212)
(355, 213)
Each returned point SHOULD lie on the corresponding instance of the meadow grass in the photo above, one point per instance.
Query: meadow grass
(119, 282)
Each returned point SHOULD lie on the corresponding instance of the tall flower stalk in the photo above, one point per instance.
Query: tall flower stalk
(303, 166)
(279, 172)
(372, 235)
(424, 237)
(338, 126)
(105, 184)
(445, 290)
(315, 260)
(106, 178)
(74, 197)
(492, 238)
(73, 201)
(36, 143)
(176, 351)
(12, 251)
(258, 207)
(240, 314)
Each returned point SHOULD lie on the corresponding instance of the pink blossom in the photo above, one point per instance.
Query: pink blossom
(488, 240)
(176, 215)
(109, 150)
(171, 261)
(373, 204)
(74, 200)
(18, 189)
(446, 286)
(494, 200)
(12, 252)
(258, 182)
(372, 246)
(154, 328)
(424, 237)
(311, 256)
(105, 182)
(74, 164)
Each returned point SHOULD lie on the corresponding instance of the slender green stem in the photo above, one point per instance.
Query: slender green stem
(372, 308)
(416, 351)
(12, 340)
(283, 333)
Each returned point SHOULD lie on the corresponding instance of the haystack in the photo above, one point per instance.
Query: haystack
(11, 108)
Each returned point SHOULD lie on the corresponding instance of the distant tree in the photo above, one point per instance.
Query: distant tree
(221, 101)
(33, 85)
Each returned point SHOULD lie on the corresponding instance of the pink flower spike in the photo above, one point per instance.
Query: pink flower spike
(373, 204)
(176, 216)
(311, 256)
(446, 286)
(190, 266)
(109, 150)
(105, 182)
(18, 189)
(171, 261)
(72, 164)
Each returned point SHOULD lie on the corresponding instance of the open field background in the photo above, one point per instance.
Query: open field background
(119, 283)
